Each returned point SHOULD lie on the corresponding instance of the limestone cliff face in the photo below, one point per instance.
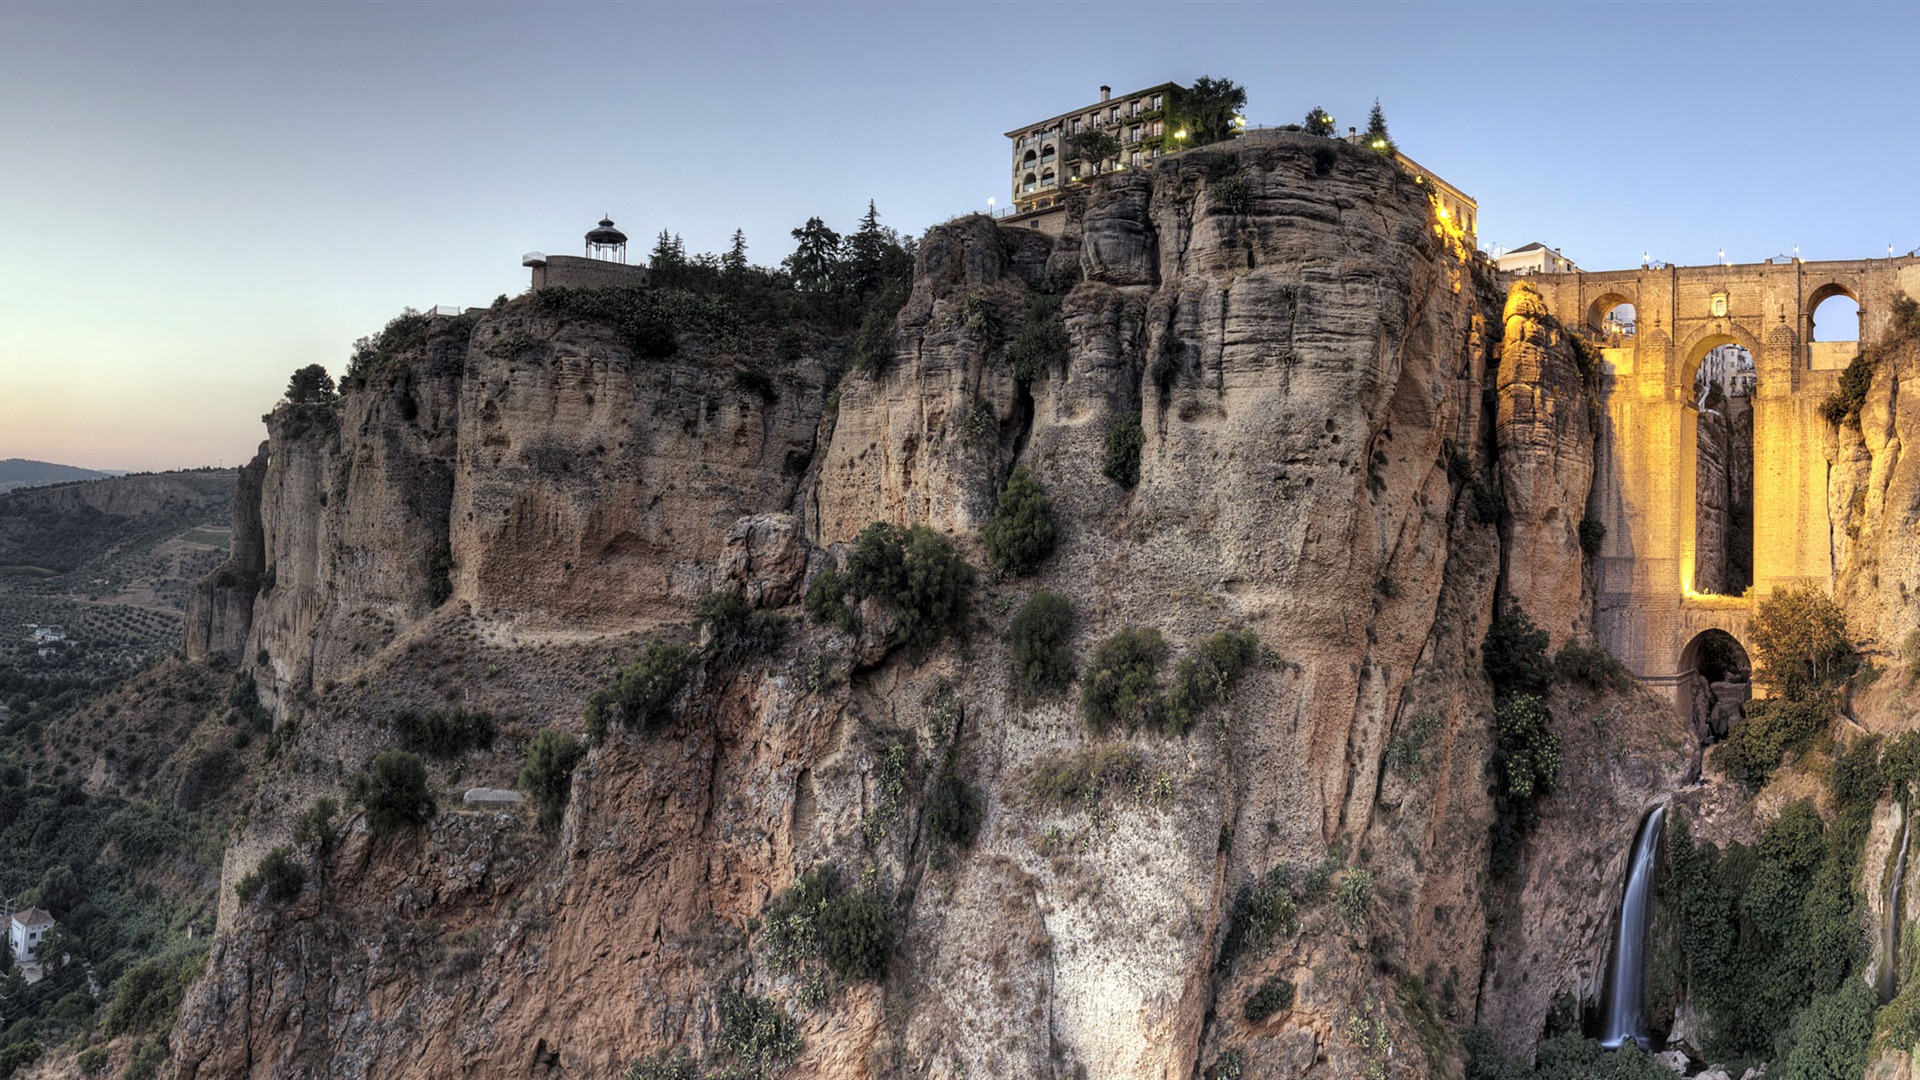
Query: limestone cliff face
(1307, 358)
(1545, 430)
(1873, 499)
(220, 608)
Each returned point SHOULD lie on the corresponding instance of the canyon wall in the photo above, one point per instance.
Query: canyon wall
(496, 513)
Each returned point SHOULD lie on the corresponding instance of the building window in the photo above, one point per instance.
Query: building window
(1156, 101)
(1135, 159)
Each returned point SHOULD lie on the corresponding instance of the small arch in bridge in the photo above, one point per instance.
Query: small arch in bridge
(1833, 314)
(1612, 315)
(1715, 683)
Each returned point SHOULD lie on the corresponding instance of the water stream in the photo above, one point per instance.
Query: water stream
(1890, 965)
(1625, 1017)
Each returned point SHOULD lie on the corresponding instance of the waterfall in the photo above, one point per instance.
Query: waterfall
(1890, 966)
(1625, 1018)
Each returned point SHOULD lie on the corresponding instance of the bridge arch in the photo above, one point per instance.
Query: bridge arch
(1714, 680)
(1703, 341)
(1605, 305)
(1835, 316)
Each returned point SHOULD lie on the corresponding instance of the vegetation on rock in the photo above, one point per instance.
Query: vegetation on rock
(917, 573)
(1122, 687)
(393, 791)
(1125, 440)
(1040, 637)
(547, 776)
(641, 697)
(279, 875)
(734, 630)
(1020, 535)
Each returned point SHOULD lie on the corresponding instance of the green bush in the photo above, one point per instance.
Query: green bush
(1593, 531)
(18, 1055)
(1831, 1034)
(1844, 404)
(1019, 535)
(147, 995)
(1080, 777)
(815, 918)
(873, 344)
(1121, 687)
(1273, 996)
(758, 1035)
(735, 630)
(440, 576)
(1041, 635)
(826, 601)
(1039, 343)
(1125, 439)
(641, 697)
(1355, 895)
(92, 1059)
(1592, 665)
(278, 875)
(1900, 766)
(547, 775)
(917, 573)
(1857, 780)
(444, 733)
(665, 1065)
(1526, 763)
(1515, 652)
(393, 790)
(316, 825)
(1800, 645)
(1200, 681)
(953, 809)
(856, 939)
(1263, 912)
(1770, 730)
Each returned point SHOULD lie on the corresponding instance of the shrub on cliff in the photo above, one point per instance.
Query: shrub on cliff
(1526, 763)
(1039, 343)
(953, 809)
(1515, 652)
(917, 573)
(816, 918)
(1273, 996)
(735, 630)
(1770, 730)
(641, 697)
(1592, 532)
(279, 875)
(758, 1035)
(316, 827)
(1593, 665)
(393, 791)
(1831, 1034)
(826, 601)
(1799, 638)
(1208, 676)
(445, 732)
(1125, 439)
(547, 776)
(1041, 637)
(1121, 685)
(1844, 404)
(1019, 536)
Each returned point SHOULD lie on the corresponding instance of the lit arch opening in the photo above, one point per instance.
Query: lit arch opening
(1715, 684)
(1834, 315)
(1612, 317)
(1723, 386)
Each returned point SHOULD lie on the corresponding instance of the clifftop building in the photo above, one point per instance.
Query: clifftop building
(1044, 161)
(1535, 258)
(604, 265)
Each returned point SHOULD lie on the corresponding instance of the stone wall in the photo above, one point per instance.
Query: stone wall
(575, 272)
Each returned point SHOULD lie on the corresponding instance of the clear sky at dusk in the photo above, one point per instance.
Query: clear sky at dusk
(195, 200)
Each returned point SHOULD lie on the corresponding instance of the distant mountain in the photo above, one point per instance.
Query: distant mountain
(19, 472)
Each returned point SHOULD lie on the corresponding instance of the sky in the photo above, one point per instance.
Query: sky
(197, 199)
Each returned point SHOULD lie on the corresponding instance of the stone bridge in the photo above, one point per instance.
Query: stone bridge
(1647, 611)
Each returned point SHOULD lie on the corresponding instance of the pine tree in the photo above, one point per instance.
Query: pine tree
(734, 262)
(1377, 137)
(1319, 122)
(812, 264)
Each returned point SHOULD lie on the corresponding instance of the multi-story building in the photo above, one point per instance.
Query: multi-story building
(1046, 157)
(1534, 258)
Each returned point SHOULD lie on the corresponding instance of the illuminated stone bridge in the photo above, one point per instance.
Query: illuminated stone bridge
(1648, 613)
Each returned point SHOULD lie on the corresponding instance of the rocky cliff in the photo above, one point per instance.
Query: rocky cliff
(499, 510)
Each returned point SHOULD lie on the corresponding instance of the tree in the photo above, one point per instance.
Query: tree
(311, 385)
(813, 263)
(1319, 122)
(1041, 634)
(872, 254)
(734, 262)
(1800, 641)
(642, 695)
(393, 790)
(1208, 111)
(548, 774)
(1377, 138)
(1093, 147)
(1019, 535)
(669, 253)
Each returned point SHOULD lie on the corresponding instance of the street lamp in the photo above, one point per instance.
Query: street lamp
(989, 207)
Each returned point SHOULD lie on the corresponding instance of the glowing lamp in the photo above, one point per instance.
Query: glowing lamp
(1379, 144)
(1181, 134)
